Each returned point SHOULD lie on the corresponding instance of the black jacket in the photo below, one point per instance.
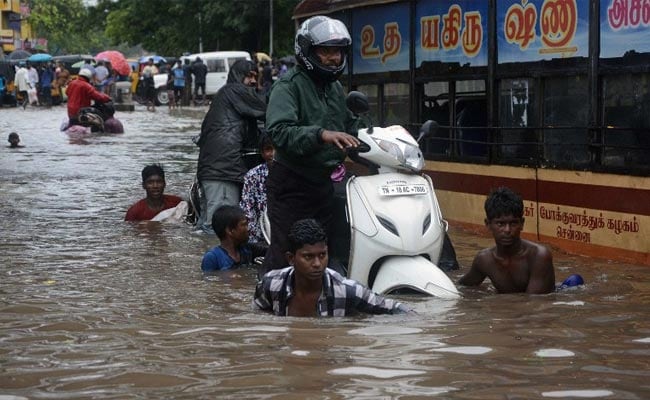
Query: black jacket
(199, 70)
(229, 126)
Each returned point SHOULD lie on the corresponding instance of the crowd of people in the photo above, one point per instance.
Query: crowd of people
(302, 128)
(271, 150)
(41, 84)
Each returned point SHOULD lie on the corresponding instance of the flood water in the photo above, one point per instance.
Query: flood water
(92, 307)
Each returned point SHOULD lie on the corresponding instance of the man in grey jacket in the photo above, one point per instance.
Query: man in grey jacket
(229, 126)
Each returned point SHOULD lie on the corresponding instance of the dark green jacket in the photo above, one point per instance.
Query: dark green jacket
(298, 111)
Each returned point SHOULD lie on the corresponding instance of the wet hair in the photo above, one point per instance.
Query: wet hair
(305, 231)
(13, 136)
(265, 141)
(503, 202)
(225, 217)
(153, 169)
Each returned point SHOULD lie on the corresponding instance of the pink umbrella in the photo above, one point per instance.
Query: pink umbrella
(117, 60)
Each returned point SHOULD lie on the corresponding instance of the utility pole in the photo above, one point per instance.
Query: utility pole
(200, 28)
(271, 28)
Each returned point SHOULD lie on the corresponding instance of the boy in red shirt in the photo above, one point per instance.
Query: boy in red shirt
(153, 182)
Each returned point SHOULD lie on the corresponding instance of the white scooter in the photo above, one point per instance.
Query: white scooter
(397, 228)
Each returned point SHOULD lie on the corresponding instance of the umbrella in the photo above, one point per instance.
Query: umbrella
(19, 55)
(81, 63)
(39, 57)
(156, 59)
(117, 60)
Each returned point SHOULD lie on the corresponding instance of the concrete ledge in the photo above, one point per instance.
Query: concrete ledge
(124, 107)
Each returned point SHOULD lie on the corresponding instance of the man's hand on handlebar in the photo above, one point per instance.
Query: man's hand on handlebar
(341, 139)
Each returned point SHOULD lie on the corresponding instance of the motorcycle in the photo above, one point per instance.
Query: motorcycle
(96, 119)
(396, 225)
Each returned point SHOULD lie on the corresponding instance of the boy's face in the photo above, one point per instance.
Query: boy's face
(310, 261)
(240, 232)
(154, 185)
(505, 229)
(267, 153)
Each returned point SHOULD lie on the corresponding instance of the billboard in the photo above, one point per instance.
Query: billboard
(452, 32)
(381, 39)
(535, 30)
(624, 27)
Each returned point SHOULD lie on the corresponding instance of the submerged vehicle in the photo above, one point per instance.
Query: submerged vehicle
(99, 118)
(396, 226)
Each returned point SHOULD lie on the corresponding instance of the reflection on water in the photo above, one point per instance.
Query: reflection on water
(93, 307)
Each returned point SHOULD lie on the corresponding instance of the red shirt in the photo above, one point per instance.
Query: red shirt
(80, 93)
(140, 211)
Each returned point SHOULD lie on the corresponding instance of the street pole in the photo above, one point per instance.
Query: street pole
(271, 28)
(200, 34)
(200, 28)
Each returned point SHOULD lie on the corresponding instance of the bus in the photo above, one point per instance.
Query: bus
(548, 97)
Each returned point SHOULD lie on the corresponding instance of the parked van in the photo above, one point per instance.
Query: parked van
(218, 63)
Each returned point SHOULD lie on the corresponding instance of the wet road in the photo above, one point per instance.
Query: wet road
(92, 307)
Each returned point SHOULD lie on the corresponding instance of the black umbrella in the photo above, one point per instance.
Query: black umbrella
(18, 55)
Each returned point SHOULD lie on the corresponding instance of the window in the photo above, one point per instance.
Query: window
(517, 111)
(216, 65)
(471, 118)
(372, 91)
(435, 106)
(396, 104)
(626, 114)
(566, 107)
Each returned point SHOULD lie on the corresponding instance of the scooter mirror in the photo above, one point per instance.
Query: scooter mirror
(357, 102)
(428, 129)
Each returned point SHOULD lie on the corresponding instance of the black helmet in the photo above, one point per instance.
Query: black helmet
(322, 31)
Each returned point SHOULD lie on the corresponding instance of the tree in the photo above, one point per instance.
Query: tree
(63, 23)
(172, 27)
(168, 27)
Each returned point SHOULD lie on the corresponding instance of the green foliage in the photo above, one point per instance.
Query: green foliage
(60, 22)
(167, 27)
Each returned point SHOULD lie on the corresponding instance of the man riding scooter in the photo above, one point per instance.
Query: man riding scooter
(312, 128)
(80, 95)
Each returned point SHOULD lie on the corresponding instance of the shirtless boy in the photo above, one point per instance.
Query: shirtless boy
(514, 265)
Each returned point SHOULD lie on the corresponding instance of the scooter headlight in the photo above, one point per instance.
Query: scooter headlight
(391, 148)
(413, 156)
(405, 154)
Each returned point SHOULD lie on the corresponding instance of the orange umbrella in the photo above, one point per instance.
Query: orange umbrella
(117, 60)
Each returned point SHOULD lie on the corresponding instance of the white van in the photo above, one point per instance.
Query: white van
(218, 63)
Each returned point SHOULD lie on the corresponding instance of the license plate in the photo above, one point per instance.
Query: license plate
(403, 190)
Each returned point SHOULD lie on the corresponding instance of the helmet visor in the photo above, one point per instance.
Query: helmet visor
(330, 32)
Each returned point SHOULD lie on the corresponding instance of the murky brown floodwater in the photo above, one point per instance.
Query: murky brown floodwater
(93, 307)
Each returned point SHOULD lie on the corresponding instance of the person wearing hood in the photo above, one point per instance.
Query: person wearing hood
(229, 126)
